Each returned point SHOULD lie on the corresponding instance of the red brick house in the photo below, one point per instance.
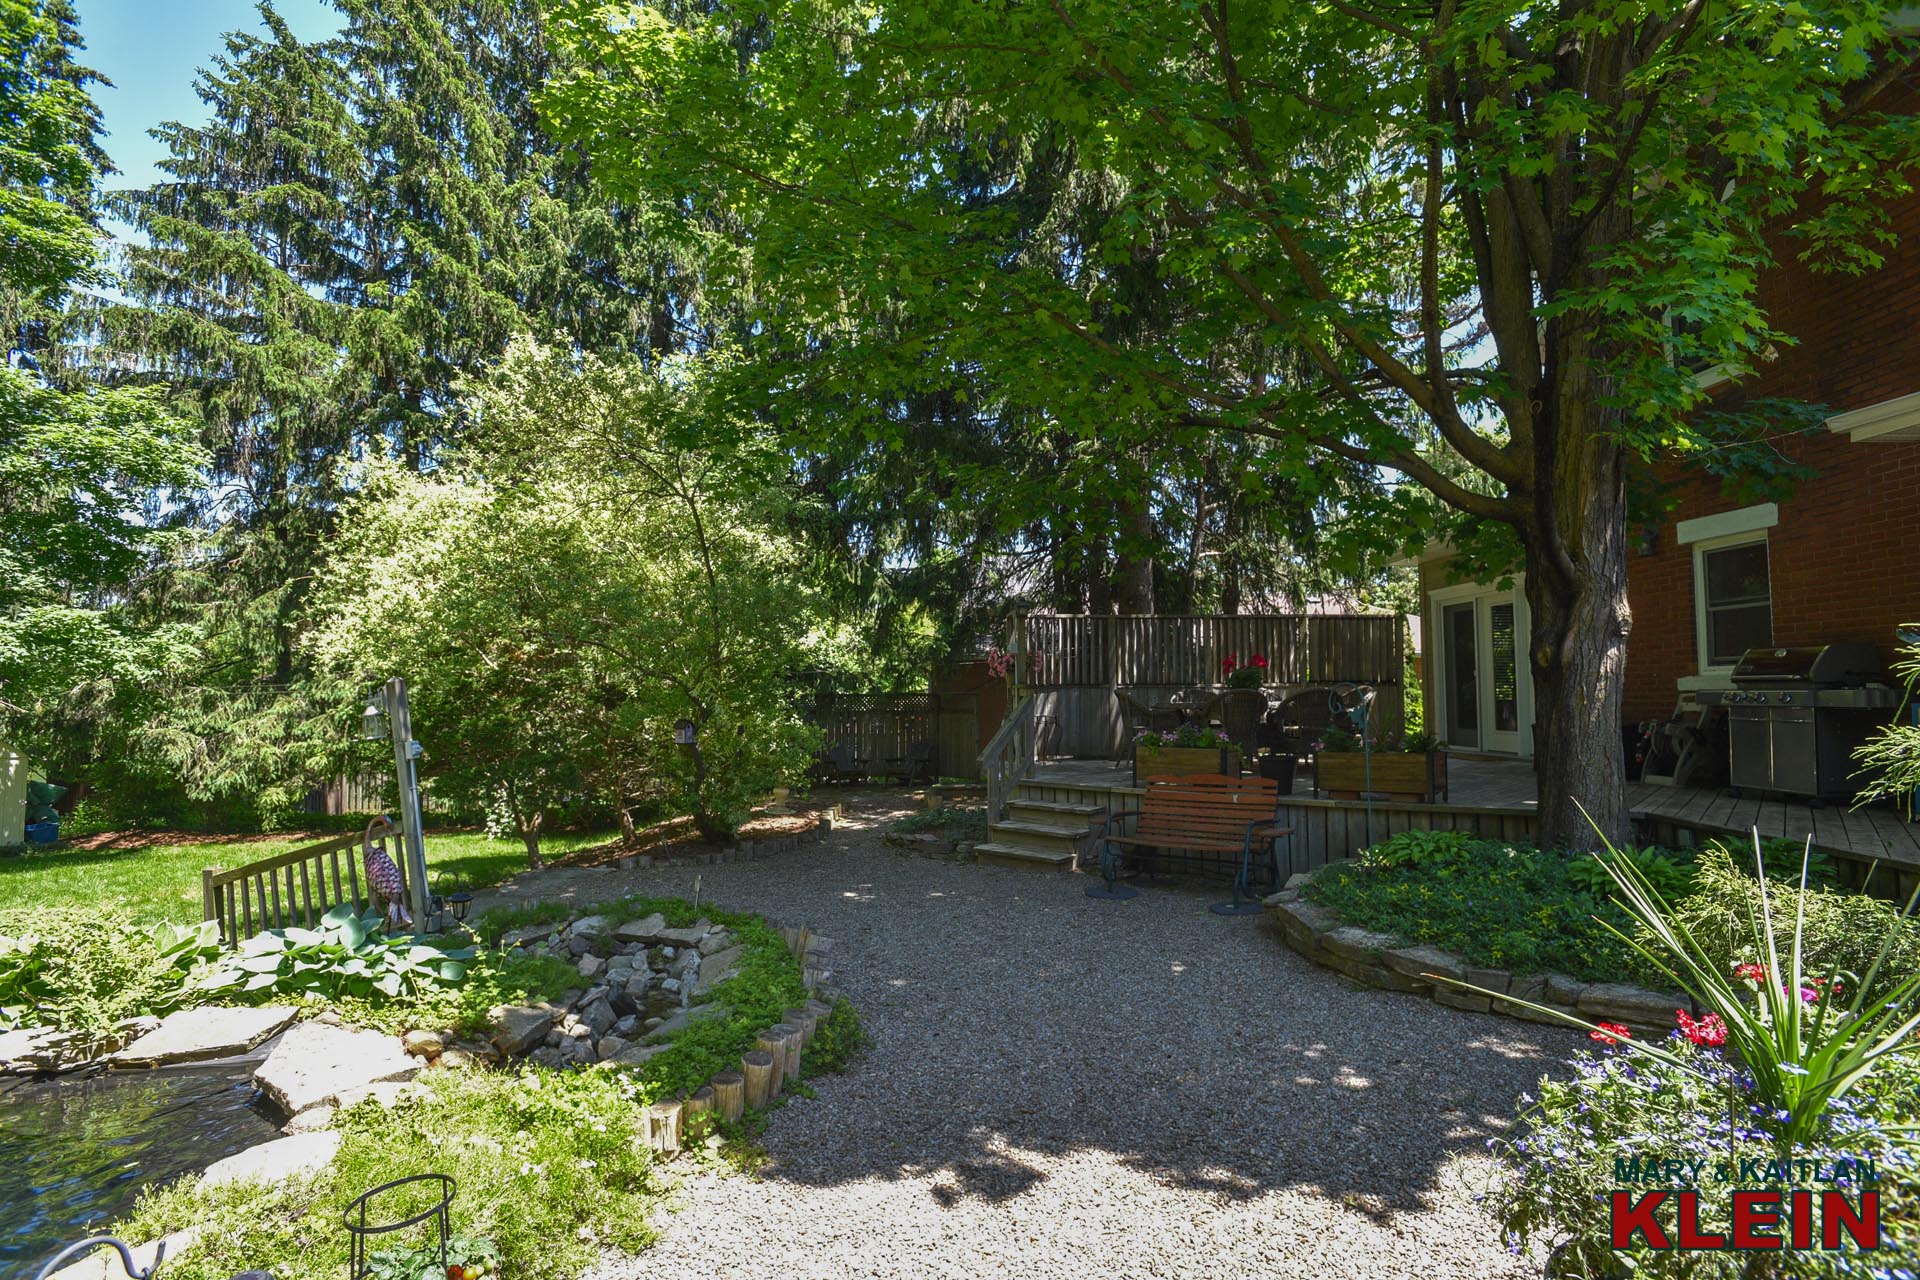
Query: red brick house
(1839, 560)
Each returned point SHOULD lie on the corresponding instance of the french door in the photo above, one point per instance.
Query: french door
(1483, 688)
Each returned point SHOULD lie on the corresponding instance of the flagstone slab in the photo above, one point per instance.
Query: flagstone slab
(194, 1035)
(314, 1062)
(276, 1161)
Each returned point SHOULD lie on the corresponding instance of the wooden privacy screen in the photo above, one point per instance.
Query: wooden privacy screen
(876, 726)
(1189, 649)
(294, 888)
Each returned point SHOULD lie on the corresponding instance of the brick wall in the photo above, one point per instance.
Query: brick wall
(1845, 557)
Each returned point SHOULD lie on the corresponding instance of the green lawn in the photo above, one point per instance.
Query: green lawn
(162, 881)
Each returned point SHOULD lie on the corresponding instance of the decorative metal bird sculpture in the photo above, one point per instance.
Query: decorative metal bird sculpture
(384, 884)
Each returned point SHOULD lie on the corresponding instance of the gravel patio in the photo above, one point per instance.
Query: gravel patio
(1063, 1087)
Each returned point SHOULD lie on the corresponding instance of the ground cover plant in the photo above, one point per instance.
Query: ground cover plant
(161, 881)
(1491, 903)
(549, 1166)
(1534, 910)
(86, 971)
(345, 955)
(954, 822)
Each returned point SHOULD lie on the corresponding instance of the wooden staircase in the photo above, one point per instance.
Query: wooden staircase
(1040, 834)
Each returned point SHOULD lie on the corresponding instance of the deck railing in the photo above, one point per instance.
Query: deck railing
(1009, 757)
(293, 888)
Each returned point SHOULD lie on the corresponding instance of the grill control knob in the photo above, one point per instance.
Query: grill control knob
(1786, 697)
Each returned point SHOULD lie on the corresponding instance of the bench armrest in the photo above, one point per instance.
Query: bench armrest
(1107, 823)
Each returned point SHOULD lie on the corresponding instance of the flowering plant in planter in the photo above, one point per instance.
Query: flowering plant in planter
(1250, 676)
(1150, 741)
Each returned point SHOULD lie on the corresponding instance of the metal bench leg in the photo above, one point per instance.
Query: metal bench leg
(1110, 888)
(1244, 903)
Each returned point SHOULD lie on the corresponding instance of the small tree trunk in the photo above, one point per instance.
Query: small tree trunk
(629, 836)
(530, 835)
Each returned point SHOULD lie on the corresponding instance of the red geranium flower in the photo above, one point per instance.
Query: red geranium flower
(1708, 1032)
(1259, 660)
(1610, 1033)
(1228, 663)
(1751, 972)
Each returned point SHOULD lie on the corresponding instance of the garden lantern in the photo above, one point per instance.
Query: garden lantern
(451, 895)
(371, 716)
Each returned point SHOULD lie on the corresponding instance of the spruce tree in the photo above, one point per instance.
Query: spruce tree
(358, 222)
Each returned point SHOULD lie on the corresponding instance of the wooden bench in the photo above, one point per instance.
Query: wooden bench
(1205, 817)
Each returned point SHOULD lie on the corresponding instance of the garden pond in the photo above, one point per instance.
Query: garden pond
(76, 1153)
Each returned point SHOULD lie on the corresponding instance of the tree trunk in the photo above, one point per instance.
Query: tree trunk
(529, 825)
(1133, 568)
(629, 835)
(1099, 579)
(1576, 561)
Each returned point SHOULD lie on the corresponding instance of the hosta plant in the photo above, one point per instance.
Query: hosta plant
(345, 956)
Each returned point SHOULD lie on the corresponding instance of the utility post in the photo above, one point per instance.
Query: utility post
(406, 772)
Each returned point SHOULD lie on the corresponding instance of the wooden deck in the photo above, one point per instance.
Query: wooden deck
(1496, 798)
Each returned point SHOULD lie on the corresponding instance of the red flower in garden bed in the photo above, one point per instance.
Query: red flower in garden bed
(1610, 1033)
(1708, 1032)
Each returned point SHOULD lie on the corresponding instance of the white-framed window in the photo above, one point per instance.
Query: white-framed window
(1732, 598)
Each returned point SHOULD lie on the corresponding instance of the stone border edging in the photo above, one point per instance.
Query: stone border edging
(1382, 961)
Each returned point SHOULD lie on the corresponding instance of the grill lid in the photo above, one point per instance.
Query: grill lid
(1824, 665)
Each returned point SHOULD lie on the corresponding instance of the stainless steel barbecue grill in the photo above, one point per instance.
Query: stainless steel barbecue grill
(1795, 715)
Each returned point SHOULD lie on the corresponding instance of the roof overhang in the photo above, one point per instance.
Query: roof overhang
(1439, 550)
(1896, 420)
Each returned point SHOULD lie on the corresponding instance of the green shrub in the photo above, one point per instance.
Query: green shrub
(1842, 932)
(1671, 874)
(1417, 848)
(344, 956)
(836, 1038)
(549, 1166)
(86, 971)
(1782, 859)
(1489, 903)
(1782, 1066)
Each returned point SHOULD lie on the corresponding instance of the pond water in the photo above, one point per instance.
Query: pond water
(74, 1154)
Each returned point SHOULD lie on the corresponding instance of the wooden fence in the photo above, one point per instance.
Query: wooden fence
(1074, 664)
(294, 888)
(882, 727)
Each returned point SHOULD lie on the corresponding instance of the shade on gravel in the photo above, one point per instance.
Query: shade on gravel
(1065, 1087)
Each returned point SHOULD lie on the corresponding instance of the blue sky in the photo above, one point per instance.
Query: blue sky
(151, 50)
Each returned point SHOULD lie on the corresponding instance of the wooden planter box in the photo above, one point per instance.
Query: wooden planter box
(1179, 762)
(1397, 775)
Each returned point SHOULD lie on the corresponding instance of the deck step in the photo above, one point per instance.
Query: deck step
(1037, 835)
(1056, 809)
(1007, 855)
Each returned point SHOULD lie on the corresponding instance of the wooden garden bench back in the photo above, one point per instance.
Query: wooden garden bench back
(1204, 817)
(1204, 811)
